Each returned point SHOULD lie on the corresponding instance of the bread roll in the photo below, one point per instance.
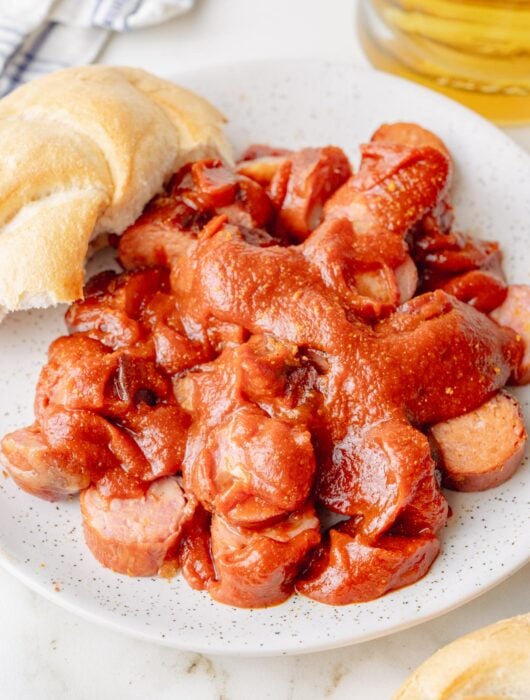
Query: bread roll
(82, 151)
(492, 663)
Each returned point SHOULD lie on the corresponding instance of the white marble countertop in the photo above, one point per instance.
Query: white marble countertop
(48, 653)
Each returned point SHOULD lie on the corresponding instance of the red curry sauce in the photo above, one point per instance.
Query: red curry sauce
(265, 342)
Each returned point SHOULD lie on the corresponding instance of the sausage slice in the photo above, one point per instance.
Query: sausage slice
(407, 134)
(514, 312)
(40, 469)
(261, 169)
(483, 448)
(256, 568)
(375, 474)
(253, 468)
(313, 174)
(133, 535)
(348, 569)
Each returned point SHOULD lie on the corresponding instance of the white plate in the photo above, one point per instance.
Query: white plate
(487, 539)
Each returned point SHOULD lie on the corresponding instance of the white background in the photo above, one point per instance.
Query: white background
(48, 653)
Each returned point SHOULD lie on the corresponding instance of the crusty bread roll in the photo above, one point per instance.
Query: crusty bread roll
(492, 663)
(81, 153)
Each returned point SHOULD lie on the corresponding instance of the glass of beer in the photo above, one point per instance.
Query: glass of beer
(475, 51)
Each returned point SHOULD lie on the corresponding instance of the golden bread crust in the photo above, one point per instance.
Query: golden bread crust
(83, 150)
(492, 662)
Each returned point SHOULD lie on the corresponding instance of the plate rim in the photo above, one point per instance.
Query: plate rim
(469, 113)
(243, 651)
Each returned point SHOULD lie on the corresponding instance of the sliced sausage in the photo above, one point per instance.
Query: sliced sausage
(253, 468)
(514, 313)
(256, 569)
(483, 290)
(174, 351)
(194, 552)
(434, 331)
(427, 512)
(112, 305)
(241, 199)
(216, 185)
(395, 187)
(280, 296)
(66, 450)
(127, 291)
(389, 287)
(409, 134)
(456, 253)
(484, 447)
(153, 242)
(77, 375)
(379, 285)
(374, 474)
(347, 569)
(370, 275)
(147, 444)
(406, 274)
(44, 471)
(261, 169)
(81, 374)
(261, 150)
(112, 327)
(313, 175)
(160, 432)
(133, 536)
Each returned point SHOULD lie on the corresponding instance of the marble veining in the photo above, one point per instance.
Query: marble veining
(50, 654)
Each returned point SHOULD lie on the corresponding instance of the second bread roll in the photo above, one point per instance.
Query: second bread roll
(492, 663)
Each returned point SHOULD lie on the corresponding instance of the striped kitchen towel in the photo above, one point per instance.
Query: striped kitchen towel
(38, 36)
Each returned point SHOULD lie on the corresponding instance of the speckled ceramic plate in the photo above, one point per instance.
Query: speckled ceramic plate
(487, 539)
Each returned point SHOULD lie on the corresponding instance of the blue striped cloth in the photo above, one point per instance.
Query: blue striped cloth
(39, 36)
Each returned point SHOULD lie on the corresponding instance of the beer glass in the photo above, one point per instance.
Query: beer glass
(475, 51)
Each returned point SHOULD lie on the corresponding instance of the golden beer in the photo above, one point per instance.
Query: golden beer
(475, 51)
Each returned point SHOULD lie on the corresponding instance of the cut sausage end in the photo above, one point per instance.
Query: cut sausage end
(38, 468)
(347, 569)
(406, 279)
(483, 448)
(134, 535)
(409, 134)
(257, 568)
(262, 169)
(514, 312)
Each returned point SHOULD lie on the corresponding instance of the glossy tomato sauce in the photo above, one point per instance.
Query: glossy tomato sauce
(282, 337)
